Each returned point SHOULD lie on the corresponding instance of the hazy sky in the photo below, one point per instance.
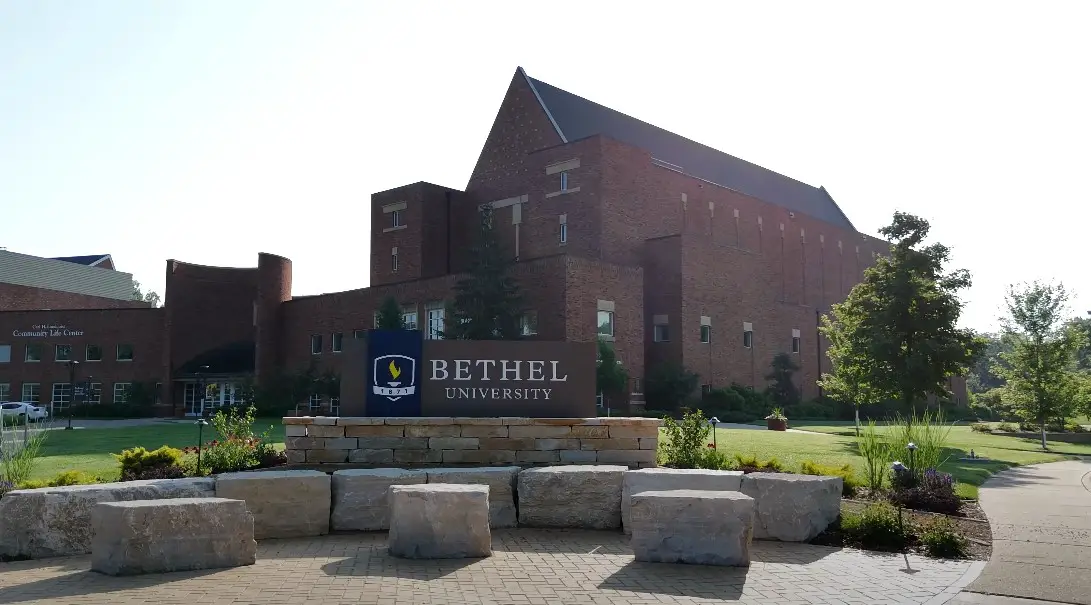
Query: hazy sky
(208, 131)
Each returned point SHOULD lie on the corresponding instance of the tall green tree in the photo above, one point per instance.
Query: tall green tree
(611, 378)
(390, 316)
(782, 380)
(1042, 381)
(897, 330)
(1083, 354)
(848, 382)
(669, 385)
(488, 302)
(982, 378)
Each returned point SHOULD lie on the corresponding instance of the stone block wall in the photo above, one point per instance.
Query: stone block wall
(446, 441)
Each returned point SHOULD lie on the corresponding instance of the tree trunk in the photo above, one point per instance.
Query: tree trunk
(1042, 426)
(857, 406)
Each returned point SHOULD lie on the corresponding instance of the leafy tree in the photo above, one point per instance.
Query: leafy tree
(669, 385)
(1042, 382)
(149, 297)
(611, 378)
(1083, 353)
(488, 303)
(783, 389)
(897, 329)
(982, 378)
(390, 315)
(848, 382)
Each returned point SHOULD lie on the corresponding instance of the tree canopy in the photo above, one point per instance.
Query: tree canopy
(390, 316)
(896, 334)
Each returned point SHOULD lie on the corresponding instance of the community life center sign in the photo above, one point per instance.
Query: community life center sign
(46, 331)
(411, 377)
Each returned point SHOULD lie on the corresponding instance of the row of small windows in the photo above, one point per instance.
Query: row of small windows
(61, 393)
(661, 332)
(435, 314)
(34, 352)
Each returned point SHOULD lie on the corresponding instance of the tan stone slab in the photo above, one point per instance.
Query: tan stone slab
(295, 430)
(393, 443)
(453, 443)
(619, 432)
(325, 420)
(556, 444)
(560, 421)
(478, 456)
(296, 420)
(418, 456)
(302, 443)
(610, 444)
(578, 456)
(537, 456)
(316, 430)
(426, 420)
(359, 421)
(339, 443)
(539, 431)
(295, 456)
(429, 430)
(649, 444)
(631, 421)
(473, 430)
(626, 456)
(515, 421)
(477, 421)
(373, 456)
(506, 443)
(594, 431)
(327, 455)
(379, 430)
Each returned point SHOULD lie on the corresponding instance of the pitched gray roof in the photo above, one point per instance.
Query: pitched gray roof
(90, 260)
(576, 118)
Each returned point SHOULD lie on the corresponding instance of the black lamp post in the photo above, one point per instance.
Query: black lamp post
(201, 424)
(714, 421)
(72, 363)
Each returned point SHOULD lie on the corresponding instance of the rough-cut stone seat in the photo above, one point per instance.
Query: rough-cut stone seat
(586, 497)
(692, 526)
(501, 482)
(56, 521)
(792, 508)
(156, 536)
(285, 504)
(439, 521)
(663, 479)
(361, 497)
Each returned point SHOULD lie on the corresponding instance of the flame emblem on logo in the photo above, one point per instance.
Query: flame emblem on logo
(394, 370)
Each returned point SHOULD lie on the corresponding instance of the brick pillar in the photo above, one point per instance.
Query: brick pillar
(274, 288)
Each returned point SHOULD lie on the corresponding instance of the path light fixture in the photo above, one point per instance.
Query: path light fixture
(71, 390)
(201, 424)
(912, 447)
(714, 421)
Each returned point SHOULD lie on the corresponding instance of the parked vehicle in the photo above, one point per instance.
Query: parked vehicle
(28, 411)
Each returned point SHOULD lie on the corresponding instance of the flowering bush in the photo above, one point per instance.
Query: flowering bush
(935, 492)
(682, 446)
(237, 448)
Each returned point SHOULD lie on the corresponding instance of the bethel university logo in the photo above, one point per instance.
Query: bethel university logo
(393, 376)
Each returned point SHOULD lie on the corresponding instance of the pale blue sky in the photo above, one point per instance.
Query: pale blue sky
(208, 131)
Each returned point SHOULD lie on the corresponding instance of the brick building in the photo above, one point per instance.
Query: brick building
(623, 231)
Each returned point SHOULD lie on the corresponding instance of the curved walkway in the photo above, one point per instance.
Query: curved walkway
(1041, 526)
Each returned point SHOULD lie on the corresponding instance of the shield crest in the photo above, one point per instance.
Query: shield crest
(394, 376)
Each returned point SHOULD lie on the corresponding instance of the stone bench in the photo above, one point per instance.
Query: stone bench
(157, 536)
(56, 521)
(664, 479)
(587, 497)
(692, 526)
(501, 482)
(361, 497)
(792, 508)
(285, 504)
(439, 521)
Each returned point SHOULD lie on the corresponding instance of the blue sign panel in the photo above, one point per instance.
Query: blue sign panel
(394, 372)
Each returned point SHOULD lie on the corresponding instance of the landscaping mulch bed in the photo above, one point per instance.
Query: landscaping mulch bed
(971, 523)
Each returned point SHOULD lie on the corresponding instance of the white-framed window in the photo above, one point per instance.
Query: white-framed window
(434, 312)
(5, 392)
(62, 352)
(638, 385)
(599, 401)
(5, 353)
(94, 393)
(661, 333)
(358, 334)
(562, 232)
(316, 344)
(409, 317)
(335, 342)
(564, 181)
(748, 337)
(32, 392)
(706, 334)
(606, 323)
(93, 353)
(795, 341)
(314, 403)
(121, 392)
(124, 352)
(335, 406)
(396, 218)
(33, 353)
(394, 260)
(62, 395)
(528, 323)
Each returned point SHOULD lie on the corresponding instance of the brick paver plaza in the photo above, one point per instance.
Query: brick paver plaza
(528, 566)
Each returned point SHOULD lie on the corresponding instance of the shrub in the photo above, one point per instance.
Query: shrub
(941, 539)
(876, 454)
(65, 478)
(928, 432)
(876, 527)
(685, 442)
(1007, 427)
(934, 491)
(751, 464)
(238, 448)
(849, 482)
(981, 427)
(18, 454)
(714, 459)
(138, 463)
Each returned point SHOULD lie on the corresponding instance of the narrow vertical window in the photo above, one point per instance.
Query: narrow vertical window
(394, 260)
(563, 232)
(564, 181)
(336, 341)
(316, 344)
(748, 335)
(396, 218)
(795, 341)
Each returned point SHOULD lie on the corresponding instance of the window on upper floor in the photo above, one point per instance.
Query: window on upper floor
(335, 342)
(748, 339)
(563, 229)
(528, 323)
(434, 313)
(706, 334)
(661, 333)
(409, 317)
(396, 218)
(33, 352)
(316, 344)
(124, 352)
(62, 352)
(93, 353)
(606, 323)
(795, 344)
(359, 334)
(5, 353)
(564, 181)
(394, 260)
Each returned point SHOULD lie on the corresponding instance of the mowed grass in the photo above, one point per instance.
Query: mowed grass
(836, 445)
(90, 449)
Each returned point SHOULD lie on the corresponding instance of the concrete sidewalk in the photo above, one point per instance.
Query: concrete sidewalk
(1041, 525)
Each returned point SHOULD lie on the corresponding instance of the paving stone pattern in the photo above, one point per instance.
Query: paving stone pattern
(528, 566)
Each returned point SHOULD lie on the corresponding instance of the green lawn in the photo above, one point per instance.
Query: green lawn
(836, 445)
(89, 450)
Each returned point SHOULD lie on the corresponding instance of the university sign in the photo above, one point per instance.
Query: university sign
(406, 376)
(46, 331)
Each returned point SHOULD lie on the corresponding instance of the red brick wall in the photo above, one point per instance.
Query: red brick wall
(107, 328)
(26, 298)
(208, 307)
(589, 281)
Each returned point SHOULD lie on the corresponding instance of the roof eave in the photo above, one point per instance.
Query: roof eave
(541, 103)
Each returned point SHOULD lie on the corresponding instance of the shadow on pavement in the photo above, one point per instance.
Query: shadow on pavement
(376, 562)
(692, 581)
(86, 582)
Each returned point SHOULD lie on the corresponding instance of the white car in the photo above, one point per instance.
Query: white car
(27, 410)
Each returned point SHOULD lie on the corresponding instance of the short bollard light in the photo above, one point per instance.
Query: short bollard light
(201, 424)
(714, 421)
(912, 447)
